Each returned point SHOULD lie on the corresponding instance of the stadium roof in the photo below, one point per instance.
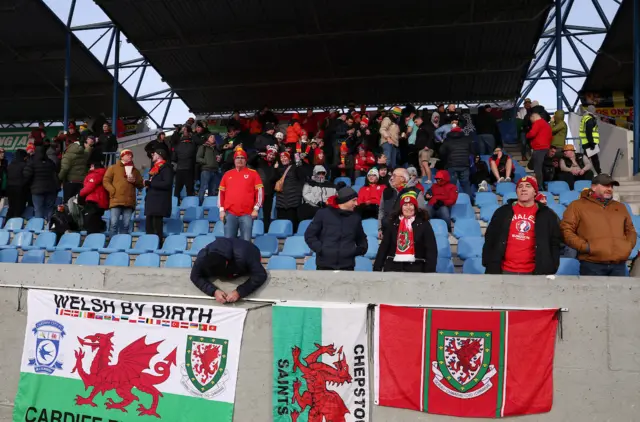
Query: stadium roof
(32, 67)
(225, 55)
(612, 69)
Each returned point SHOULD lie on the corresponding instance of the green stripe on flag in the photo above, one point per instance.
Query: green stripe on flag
(292, 327)
(501, 371)
(50, 394)
(427, 363)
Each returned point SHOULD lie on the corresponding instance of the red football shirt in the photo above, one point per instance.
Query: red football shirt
(520, 255)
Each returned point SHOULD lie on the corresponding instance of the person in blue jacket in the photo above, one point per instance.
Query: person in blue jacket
(229, 258)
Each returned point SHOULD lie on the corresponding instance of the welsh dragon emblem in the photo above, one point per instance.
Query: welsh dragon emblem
(324, 404)
(125, 375)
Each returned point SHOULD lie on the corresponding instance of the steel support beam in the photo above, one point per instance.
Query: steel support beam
(558, 41)
(603, 17)
(116, 74)
(67, 65)
(636, 86)
(99, 25)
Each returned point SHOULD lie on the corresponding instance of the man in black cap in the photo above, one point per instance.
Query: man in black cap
(229, 258)
(266, 138)
(336, 234)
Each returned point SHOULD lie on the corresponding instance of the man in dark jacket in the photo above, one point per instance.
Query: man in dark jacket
(266, 138)
(184, 155)
(336, 234)
(264, 164)
(108, 139)
(455, 151)
(208, 158)
(229, 258)
(17, 187)
(523, 236)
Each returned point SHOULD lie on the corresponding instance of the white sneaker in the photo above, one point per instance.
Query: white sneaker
(483, 187)
(501, 180)
(507, 179)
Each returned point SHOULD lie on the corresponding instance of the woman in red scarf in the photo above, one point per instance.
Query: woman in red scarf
(408, 243)
(158, 202)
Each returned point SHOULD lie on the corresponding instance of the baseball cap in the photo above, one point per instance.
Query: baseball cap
(605, 180)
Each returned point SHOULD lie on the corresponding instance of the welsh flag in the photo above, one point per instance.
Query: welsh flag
(465, 363)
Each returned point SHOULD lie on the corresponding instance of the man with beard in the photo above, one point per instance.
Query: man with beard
(263, 163)
(266, 138)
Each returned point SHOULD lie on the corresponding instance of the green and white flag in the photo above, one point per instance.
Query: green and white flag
(320, 366)
(104, 360)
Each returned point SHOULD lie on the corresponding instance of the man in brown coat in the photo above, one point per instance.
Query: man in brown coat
(121, 181)
(600, 229)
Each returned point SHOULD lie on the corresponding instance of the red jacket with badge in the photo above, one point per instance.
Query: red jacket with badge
(364, 163)
(444, 191)
(93, 190)
(370, 194)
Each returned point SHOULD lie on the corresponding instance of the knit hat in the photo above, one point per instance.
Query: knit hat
(374, 171)
(531, 180)
(568, 147)
(272, 148)
(295, 116)
(269, 126)
(239, 152)
(412, 171)
(365, 120)
(126, 152)
(346, 194)
(72, 126)
(396, 110)
(409, 197)
(541, 198)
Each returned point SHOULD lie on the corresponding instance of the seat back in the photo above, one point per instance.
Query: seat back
(9, 256)
(147, 242)
(147, 260)
(473, 266)
(281, 263)
(363, 264)
(120, 241)
(23, 239)
(94, 241)
(118, 259)
(444, 266)
(281, 228)
(201, 241)
(295, 245)
(198, 227)
(210, 202)
(14, 223)
(439, 227)
(35, 256)
(175, 242)
(465, 227)
(310, 264)
(60, 257)
(568, 266)
(35, 224)
(179, 260)
(88, 258)
(4, 238)
(370, 227)
(173, 226)
(267, 244)
(189, 201)
(470, 247)
(302, 227)
(193, 213)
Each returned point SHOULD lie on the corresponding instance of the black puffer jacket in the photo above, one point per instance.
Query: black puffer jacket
(184, 155)
(41, 174)
(263, 140)
(156, 144)
(15, 171)
(158, 199)
(548, 239)
(456, 149)
(291, 195)
(337, 237)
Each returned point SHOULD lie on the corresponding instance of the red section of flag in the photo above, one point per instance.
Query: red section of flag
(175, 324)
(445, 402)
(529, 361)
(91, 315)
(400, 356)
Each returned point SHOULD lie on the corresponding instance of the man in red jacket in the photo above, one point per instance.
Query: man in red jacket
(442, 196)
(95, 197)
(540, 138)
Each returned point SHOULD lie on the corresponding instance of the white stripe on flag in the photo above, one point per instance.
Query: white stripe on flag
(504, 374)
(424, 344)
(376, 354)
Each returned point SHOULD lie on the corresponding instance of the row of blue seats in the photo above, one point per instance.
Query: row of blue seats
(568, 267)
(118, 259)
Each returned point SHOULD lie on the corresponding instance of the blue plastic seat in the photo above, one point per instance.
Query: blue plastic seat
(363, 264)
(302, 227)
(210, 202)
(296, 247)
(439, 227)
(310, 264)
(568, 197)
(467, 227)
(558, 209)
(188, 202)
(45, 240)
(92, 242)
(145, 244)
(473, 266)
(67, 242)
(141, 227)
(192, 214)
(356, 188)
(19, 240)
(198, 243)
(444, 266)
(557, 187)
(372, 247)
(485, 199)
(118, 243)
(173, 226)
(346, 180)
(370, 227)
(360, 181)
(580, 185)
(218, 229)
(486, 213)
(267, 244)
(257, 229)
(60, 257)
(33, 257)
(463, 198)
(568, 266)
(4, 211)
(117, 259)
(197, 228)
(461, 211)
(281, 229)
(634, 251)
(505, 187)
(444, 248)
(147, 260)
(178, 260)
(281, 263)
(174, 244)
(14, 224)
(174, 203)
(470, 247)
(213, 213)
(35, 225)
(626, 204)
(4, 238)
(88, 258)
(9, 256)
(634, 218)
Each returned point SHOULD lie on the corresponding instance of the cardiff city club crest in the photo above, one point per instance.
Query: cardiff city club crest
(204, 372)
(48, 336)
(464, 362)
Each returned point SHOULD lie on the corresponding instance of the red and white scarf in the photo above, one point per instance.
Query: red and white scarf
(405, 247)
(156, 167)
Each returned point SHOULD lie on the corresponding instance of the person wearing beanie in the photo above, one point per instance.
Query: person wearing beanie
(523, 237)
(184, 155)
(240, 198)
(336, 234)
(442, 197)
(390, 136)
(315, 193)
(73, 167)
(345, 165)
(266, 138)
(95, 197)
(121, 181)
(539, 136)
(370, 194)
(383, 174)
(40, 175)
(389, 202)
(157, 202)
(409, 243)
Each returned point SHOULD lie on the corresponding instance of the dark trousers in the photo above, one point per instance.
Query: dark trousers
(92, 218)
(154, 225)
(538, 164)
(596, 162)
(307, 212)
(267, 205)
(17, 202)
(184, 178)
(368, 211)
(71, 189)
(604, 270)
(290, 214)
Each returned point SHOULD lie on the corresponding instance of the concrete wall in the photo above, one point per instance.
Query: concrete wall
(597, 365)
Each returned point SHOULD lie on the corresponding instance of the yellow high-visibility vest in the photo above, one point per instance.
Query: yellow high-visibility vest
(583, 132)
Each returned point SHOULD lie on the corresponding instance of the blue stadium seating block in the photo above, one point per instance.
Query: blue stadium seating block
(60, 258)
(146, 243)
(281, 229)
(20, 240)
(88, 258)
(295, 247)
(444, 248)
(118, 243)
(462, 211)
(486, 213)
(372, 247)
(363, 264)
(470, 247)
(580, 185)
(281, 263)
(486, 199)
(557, 187)
(444, 266)
(568, 266)
(92, 242)
(505, 187)
(147, 260)
(558, 209)
(465, 227)
(267, 244)
(370, 227)
(302, 227)
(178, 261)
(44, 241)
(117, 259)
(198, 243)
(310, 264)
(33, 257)
(439, 227)
(9, 256)
(567, 197)
(473, 266)
(174, 244)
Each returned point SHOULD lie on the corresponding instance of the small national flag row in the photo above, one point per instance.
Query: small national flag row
(136, 320)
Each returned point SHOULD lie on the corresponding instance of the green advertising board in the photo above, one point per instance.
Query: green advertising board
(16, 138)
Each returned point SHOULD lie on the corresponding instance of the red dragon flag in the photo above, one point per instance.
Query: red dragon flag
(84, 361)
(486, 364)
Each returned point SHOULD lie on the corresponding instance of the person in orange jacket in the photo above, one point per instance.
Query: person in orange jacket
(294, 131)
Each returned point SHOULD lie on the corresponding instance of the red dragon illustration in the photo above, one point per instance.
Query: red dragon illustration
(125, 375)
(465, 353)
(322, 402)
(208, 356)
